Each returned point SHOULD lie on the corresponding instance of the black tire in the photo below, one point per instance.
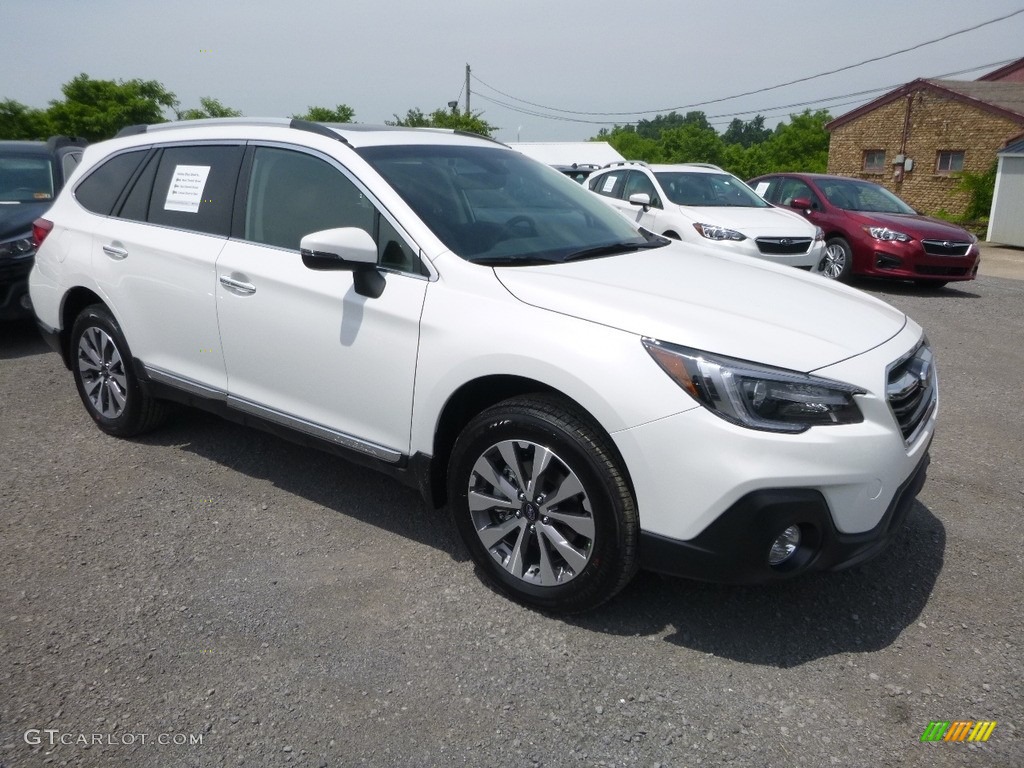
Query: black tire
(837, 264)
(104, 373)
(573, 549)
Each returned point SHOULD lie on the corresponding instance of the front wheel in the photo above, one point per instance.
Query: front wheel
(542, 505)
(102, 366)
(838, 261)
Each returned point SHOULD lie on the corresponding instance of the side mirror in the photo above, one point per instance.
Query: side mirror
(347, 249)
(803, 203)
(641, 199)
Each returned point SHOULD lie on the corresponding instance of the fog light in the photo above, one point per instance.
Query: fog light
(784, 545)
(25, 301)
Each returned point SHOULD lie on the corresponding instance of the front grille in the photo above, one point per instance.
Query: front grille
(783, 246)
(911, 390)
(926, 269)
(945, 248)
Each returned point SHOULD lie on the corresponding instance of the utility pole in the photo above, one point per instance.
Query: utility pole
(467, 90)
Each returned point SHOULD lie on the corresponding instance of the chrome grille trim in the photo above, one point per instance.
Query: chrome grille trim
(911, 390)
(783, 246)
(946, 247)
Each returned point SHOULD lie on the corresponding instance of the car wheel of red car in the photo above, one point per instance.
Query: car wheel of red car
(838, 261)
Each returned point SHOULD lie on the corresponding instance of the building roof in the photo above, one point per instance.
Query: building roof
(1014, 146)
(1011, 70)
(1005, 99)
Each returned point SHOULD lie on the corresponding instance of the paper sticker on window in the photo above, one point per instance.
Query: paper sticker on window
(609, 183)
(761, 188)
(186, 190)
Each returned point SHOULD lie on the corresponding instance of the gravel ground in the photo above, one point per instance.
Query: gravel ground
(269, 605)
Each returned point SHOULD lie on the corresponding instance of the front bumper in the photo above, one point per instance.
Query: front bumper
(910, 262)
(14, 290)
(734, 548)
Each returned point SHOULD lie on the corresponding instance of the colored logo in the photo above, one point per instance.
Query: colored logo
(958, 730)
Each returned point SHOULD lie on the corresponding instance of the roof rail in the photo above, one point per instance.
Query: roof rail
(273, 122)
(624, 162)
(711, 166)
(58, 142)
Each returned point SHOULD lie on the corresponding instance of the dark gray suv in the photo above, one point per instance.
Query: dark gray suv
(31, 175)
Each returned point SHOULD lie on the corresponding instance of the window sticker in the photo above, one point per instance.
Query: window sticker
(761, 188)
(609, 183)
(186, 190)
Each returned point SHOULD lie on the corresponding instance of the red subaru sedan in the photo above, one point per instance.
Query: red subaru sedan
(869, 231)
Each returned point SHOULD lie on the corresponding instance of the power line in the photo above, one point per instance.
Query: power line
(759, 90)
(757, 111)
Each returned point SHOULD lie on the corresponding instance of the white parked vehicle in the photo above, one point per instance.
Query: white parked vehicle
(587, 398)
(700, 203)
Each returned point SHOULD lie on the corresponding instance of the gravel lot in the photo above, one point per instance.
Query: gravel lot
(270, 605)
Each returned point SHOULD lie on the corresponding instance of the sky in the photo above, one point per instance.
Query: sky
(384, 57)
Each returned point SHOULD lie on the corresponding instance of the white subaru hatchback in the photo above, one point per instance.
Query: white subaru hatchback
(703, 204)
(586, 398)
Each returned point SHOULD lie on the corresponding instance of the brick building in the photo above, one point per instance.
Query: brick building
(917, 138)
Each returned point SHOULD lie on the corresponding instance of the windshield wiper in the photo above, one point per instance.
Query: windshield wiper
(509, 261)
(610, 249)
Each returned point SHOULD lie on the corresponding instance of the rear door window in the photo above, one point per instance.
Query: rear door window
(194, 188)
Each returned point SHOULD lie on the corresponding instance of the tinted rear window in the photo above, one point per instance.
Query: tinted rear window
(103, 186)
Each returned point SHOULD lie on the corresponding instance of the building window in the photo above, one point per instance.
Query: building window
(950, 162)
(874, 160)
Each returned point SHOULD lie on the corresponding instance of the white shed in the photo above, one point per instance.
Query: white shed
(569, 152)
(1006, 219)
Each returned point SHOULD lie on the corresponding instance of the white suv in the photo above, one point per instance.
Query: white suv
(586, 397)
(700, 203)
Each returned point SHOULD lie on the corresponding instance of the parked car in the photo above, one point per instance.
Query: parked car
(31, 174)
(578, 172)
(588, 398)
(870, 231)
(699, 203)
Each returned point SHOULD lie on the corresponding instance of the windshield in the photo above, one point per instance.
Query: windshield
(494, 206)
(708, 190)
(863, 196)
(25, 178)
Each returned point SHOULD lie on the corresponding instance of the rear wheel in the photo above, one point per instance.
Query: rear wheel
(102, 367)
(542, 505)
(837, 263)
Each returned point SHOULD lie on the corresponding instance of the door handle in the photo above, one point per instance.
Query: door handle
(246, 289)
(115, 252)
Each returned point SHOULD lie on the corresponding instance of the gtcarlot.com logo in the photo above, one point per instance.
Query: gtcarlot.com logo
(958, 730)
(52, 737)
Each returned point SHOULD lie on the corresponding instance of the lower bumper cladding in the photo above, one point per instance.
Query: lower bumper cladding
(735, 548)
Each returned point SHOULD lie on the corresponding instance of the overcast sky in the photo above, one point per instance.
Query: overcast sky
(382, 57)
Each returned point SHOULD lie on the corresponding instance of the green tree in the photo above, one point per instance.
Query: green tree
(210, 107)
(443, 118)
(342, 113)
(801, 144)
(656, 127)
(980, 188)
(20, 122)
(631, 145)
(98, 109)
(692, 143)
(746, 134)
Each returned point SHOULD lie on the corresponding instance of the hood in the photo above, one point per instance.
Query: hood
(752, 222)
(16, 218)
(730, 305)
(918, 227)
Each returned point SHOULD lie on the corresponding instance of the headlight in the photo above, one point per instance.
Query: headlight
(819, 234)
(21, 248)
(757, 396)
(713, 232)
(884, 233)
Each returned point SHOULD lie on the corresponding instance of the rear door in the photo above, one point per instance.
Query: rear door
(154, 257)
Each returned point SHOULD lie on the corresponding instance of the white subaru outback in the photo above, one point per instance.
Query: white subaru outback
(586, 397)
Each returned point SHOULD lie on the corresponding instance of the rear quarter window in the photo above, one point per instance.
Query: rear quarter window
(99, 191)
